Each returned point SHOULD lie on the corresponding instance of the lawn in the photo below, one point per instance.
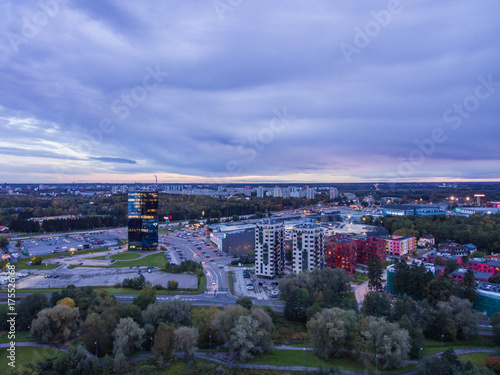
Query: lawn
(477, 359)
(434, 346)
(288, 332)
(21, 336)
(125, 256)
(26, 355)
(98, 258)
(154, 259)
(23, 263)
(309, 359)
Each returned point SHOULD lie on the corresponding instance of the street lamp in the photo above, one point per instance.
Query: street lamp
(303, 357)
(95, 348)
(78, 339)
(210, 337)
(420, 354)
(376, 363)
(442, 342)
(151, 344)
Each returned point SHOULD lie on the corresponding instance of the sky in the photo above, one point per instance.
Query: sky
(225, 91)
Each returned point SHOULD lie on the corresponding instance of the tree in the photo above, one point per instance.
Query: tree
(493, 363)
(185, 341)
(440, 290)
(449, 364)
(29, 307)
(164, 341)
(176, 312)
(246, 302)
(247, 338)
(375, 272)
(55, 323)
(417, 338)
(223, 321)
(76, 361)
(36, 260)
(99, 329)
(263, 318)
(172, 284)
(202, 318)
(441, 326)
(296, 304)
(376, 304)
(465, 318)
(129, 310)
(120, 364)
(386, 340)
(331, 330)
(146, 297)
(404, 305)
(468, 286)
(4, 242)
(66, 301)
(128, 335)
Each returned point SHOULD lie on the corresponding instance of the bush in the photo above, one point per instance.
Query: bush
(118, 285)
(158, 287)
(37, 260)
(173, 285)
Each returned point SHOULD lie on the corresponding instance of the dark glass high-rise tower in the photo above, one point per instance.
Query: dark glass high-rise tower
(143, 221)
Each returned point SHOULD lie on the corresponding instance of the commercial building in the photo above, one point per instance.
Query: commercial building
(411, 209)
(340, 252)
(234, 239)
(368, 247)
(426, 240)
(400, 245)
(484, 265)
(308, 252)
(143, 221)
(269, 248)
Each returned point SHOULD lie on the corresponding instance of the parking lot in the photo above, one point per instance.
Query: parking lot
(89, 276)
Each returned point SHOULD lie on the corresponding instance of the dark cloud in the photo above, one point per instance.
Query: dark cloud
(89, 90)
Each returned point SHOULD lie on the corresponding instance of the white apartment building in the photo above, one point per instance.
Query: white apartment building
(310, 193)
(260, 192)
(269, 248)
(307, 248)
(334, 193)
(277, 192)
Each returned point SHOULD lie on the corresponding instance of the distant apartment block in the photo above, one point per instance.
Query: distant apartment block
(143, 221)
(400, 245)
(277, 192)
(269, 248)
(260, 192)
(310, 193)
(307, 253)
(368, 247)
(333, 193)
(340, 252)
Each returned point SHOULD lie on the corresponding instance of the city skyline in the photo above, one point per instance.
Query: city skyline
(320, 93)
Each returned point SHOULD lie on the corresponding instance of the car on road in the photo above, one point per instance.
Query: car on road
(249, 287)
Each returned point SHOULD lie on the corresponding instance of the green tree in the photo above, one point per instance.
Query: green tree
(185, 341)
(172, 285)
(468, 286)
(176, 312)
(99, 328)
(376, 304)
(164, 341)
(247, 338)
(466, 319)
(297, 304)
(55, 323)
(331, 330)
(36, 260)
(29, 307)
(223, 321)
(146, 297)
(4, 242)
(128, 335)
(375, 272)
(76, 361)
(246, 302)
(202, 318)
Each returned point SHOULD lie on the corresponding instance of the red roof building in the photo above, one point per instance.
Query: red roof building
(368, 247)
(340, 252)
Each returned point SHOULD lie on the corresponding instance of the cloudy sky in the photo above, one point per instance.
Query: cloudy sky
(249, 90)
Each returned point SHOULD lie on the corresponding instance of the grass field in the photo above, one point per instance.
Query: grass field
(309, 359)
(26, 355)
(23, 263)
(434, 346)
(21, 336)
(477, 359)
(98, 258)
(125, 256)
(231, 285)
